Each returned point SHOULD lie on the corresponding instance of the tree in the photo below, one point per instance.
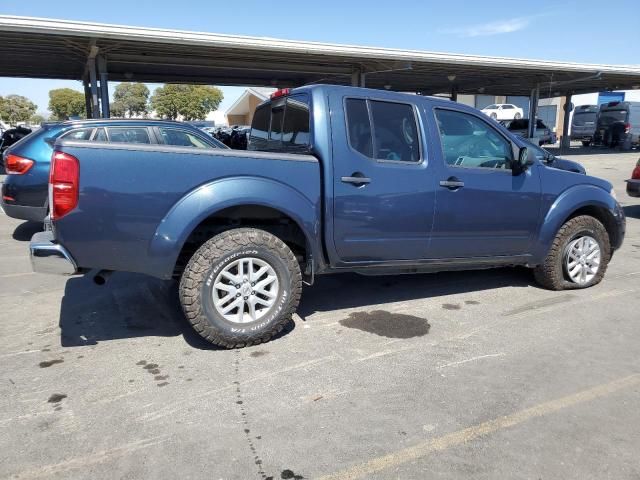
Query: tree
(192, 102)
(36, 119)
(65, 103)
(131, 99)
(117, 109)
(16, 108)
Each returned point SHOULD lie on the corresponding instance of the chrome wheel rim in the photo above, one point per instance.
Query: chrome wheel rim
(245, 290)
(582, 260)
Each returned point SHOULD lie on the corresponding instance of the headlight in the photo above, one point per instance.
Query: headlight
(613, 194)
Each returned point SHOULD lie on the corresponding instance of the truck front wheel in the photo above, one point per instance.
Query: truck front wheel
(578, 257)
(241, 287)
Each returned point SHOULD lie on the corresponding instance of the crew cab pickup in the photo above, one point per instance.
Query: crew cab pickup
(336, 179)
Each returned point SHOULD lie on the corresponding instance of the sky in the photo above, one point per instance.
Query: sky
(579, 31)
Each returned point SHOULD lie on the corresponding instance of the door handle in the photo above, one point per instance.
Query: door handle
(357, 179)
(452, 183)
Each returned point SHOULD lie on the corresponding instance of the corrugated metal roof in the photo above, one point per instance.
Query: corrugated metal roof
(47, 48)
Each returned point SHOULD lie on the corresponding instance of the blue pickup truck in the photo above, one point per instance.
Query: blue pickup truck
(335, 179)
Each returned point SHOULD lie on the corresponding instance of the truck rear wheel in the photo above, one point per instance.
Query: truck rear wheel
(241, 287)
(578, 257)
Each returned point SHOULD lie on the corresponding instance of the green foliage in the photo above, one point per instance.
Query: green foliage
(130, 99)
(191, 102)
(36, 119)
(65, 103)
(16, 108)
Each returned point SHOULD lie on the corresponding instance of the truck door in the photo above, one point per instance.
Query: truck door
(383, 198)
(483, 209)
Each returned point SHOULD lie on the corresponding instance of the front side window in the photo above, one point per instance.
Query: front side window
(181, 138)
(467, 141)
(507, 107)
(79, 134)
(129, 135)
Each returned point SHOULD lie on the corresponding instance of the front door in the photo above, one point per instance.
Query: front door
(383, 197)
(482, 208)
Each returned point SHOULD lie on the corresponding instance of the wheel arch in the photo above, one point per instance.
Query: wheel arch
(233, 203)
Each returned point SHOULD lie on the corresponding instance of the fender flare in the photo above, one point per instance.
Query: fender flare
(207, 199)
(564, 206)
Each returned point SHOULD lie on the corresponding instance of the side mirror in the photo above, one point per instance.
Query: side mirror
(526, 158)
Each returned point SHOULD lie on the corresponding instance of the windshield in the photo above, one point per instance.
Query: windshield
(491, 107)
(580, 119)
(608, 117)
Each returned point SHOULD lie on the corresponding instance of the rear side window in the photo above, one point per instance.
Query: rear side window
(129, 135)
(383, 130)
(282, 125)
(78, 134)
(182, 138)
(359, 126)
(295, 129)
(100, 136)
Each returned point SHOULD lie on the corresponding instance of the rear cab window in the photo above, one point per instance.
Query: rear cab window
(282, 125)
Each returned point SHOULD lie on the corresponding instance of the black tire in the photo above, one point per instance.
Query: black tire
(586, 143)
(551, 274)
(196, 285)
(517, 116)
(494, 116)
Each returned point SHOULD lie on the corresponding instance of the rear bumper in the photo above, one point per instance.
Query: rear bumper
(633, 188)
(49, 257)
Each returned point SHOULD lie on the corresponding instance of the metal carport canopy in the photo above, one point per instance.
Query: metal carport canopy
(48, 48)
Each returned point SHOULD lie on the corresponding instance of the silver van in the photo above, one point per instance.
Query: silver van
(583, 123)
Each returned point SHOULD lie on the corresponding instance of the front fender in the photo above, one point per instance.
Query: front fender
(218, 195)
(568, 202)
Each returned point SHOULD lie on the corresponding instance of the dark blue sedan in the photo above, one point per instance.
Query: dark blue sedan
(24, 192)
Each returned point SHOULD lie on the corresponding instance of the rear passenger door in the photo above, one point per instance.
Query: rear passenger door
(383, 197)
(482, 208)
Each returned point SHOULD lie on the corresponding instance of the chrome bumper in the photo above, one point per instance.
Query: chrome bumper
(49, 257)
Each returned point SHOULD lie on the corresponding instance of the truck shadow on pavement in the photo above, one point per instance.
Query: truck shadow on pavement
(26, 230)
(350, 290)
(632, 211)
(131, 305)
(127, 306)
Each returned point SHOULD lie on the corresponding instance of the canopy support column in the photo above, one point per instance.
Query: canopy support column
(565, 142)
(104, 86)
(533, 112)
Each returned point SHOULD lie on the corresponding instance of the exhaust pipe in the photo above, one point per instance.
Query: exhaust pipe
(102, 276)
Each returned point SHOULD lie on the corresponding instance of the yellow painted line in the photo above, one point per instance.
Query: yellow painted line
(460, 437)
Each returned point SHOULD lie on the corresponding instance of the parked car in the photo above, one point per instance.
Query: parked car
(24, 192)
(618, 125)
(543, 134)
(12, 135)
(354, 180)
(503, 111)
(633, 184)
(583, 123)
(555, 162)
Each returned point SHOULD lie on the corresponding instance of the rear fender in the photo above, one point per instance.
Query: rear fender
(218, 195)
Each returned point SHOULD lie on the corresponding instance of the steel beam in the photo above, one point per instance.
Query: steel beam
(104, 86)
(87, 98)
(533, 111)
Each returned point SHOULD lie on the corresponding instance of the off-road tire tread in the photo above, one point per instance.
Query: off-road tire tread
(195, 273)
(550, 273)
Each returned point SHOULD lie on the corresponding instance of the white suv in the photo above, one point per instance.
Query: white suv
(503, 111)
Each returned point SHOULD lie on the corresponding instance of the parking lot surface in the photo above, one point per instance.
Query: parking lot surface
(450, 375)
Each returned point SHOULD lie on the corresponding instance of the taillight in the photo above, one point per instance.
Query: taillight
(16, 165)
(627, 127)
(63, 184)
(280, 93)
(636, 173)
